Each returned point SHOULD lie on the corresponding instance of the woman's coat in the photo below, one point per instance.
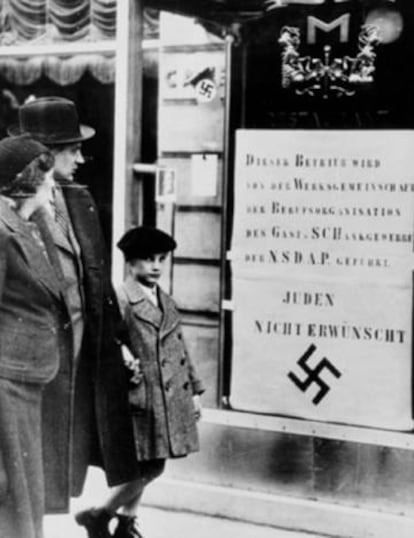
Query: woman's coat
(35, 334)
(32, 308)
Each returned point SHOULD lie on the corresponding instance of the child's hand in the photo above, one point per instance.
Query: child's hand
(127, 356)
(133, 364)
(197, 406)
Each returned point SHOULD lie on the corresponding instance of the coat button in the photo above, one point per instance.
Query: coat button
(167, 387)
(179, 336)
(185, 386)
(163, 362)
(182, 361)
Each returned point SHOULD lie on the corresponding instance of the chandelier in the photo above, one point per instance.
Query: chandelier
(328, 76)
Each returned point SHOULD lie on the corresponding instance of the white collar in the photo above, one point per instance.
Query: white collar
(150, 292)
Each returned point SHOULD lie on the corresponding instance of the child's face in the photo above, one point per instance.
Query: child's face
(148, 270)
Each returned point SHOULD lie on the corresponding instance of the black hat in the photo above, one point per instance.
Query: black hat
(143, 241)
(51, 120)
(15, 154)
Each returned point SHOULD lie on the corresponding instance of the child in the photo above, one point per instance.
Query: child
(164, 387)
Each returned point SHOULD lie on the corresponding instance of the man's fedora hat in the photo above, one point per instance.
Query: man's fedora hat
(51, 120)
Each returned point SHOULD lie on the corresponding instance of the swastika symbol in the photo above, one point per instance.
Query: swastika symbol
(206, 89)
(313, 375)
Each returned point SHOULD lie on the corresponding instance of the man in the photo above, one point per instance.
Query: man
(85, 414)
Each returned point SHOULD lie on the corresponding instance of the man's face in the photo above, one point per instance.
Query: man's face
(67, 160)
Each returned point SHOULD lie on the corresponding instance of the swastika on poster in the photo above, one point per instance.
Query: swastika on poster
(206, 90)
(313, 375)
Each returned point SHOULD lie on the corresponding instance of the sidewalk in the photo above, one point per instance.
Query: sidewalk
(164, 524)
(158, 523)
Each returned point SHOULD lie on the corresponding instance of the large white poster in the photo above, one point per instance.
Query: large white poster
(322, 258)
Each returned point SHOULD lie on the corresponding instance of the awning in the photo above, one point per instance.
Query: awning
(25, 23)
(45, 22)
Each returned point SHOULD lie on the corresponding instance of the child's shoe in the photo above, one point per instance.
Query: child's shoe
(127, 527)
(96, 522)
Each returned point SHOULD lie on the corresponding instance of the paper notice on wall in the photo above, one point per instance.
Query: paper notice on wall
(204, 174)
(322, 276)
(165, 185)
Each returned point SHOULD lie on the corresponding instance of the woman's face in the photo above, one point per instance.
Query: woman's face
(44, 194)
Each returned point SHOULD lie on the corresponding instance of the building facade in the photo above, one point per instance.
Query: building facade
(273, 140)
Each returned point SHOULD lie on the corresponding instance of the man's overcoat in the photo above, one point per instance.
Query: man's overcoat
(162, 403)
(86, 419)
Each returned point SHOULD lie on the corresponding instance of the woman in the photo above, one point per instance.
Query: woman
(33, 330)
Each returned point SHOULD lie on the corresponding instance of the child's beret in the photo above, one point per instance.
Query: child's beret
(144, 241)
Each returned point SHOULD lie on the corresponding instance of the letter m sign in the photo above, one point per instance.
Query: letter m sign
(341, 22)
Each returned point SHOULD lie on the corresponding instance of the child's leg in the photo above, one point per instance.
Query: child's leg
(127, 496)
(123, 504)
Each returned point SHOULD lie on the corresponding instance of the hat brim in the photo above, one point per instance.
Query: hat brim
(86, 132)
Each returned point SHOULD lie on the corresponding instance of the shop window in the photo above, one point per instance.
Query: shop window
(190, 157)
(322, 182)
(276, 136)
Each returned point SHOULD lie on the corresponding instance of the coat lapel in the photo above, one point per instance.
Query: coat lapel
(141, 304)
(170, 318)
(41, 218)
(83, 217)
(33, 255)
(61, 240)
